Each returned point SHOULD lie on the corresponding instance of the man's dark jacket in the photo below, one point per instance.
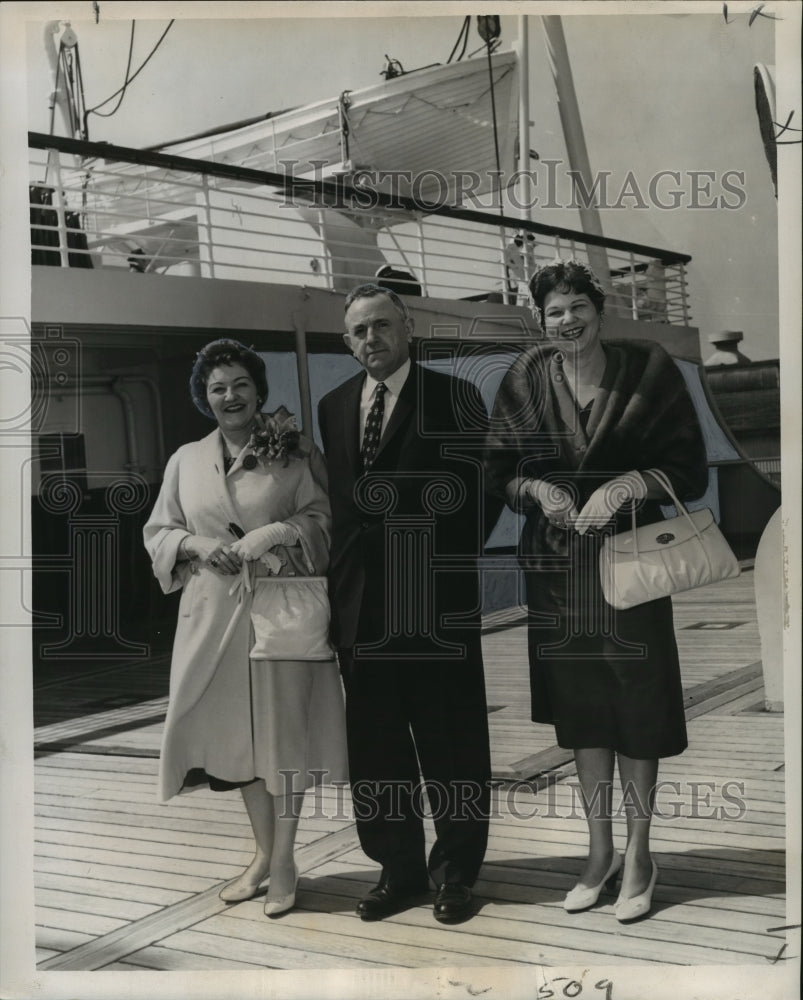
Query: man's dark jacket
(406, 535)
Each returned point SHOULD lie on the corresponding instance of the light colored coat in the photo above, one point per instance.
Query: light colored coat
(206, 724)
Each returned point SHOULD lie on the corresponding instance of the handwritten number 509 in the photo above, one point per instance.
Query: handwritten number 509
(572, 988)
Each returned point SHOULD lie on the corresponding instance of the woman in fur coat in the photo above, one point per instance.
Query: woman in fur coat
(245, 504)
(575, 426)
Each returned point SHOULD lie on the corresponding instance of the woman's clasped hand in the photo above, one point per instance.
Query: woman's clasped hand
(256, 543)
(212, 552)
(558, 503)
(608, 499)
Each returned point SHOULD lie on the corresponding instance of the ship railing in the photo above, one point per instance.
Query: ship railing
(103, 206)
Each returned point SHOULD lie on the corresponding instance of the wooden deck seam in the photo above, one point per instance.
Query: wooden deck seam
(138, 934)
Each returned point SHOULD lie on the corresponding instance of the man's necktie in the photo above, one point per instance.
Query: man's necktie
(373, 426)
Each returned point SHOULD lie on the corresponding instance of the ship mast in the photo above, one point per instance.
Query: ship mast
(569, 111)
(523, 47)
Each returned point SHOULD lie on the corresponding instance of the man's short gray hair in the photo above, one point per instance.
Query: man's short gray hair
(369, 290)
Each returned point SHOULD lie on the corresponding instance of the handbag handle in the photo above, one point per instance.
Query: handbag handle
(662, 479)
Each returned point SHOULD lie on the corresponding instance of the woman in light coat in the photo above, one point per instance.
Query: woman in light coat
(242, 509)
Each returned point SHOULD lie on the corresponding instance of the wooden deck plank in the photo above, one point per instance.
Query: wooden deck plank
(168, 960)
(121, 878)
(58, 940)
(215, 870)
(231, 823)
(94, 904)
(765, 856)
(230, 827)
(141, 849)
(144, 837)
(73, 920)
(43, 953)
(277, 947)
(63, 881)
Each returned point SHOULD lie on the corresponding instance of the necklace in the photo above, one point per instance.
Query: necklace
(232, 449)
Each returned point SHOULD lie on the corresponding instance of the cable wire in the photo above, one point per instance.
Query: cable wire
(129, 80)
(464, 30)
(123, 89)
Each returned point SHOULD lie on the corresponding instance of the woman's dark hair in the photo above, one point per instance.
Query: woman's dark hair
(225, 352)
(566, 276)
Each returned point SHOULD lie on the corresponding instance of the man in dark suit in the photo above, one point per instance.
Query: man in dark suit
(407, 529)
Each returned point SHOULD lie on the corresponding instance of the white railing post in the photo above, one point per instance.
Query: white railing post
(684, 299)
(59, 206)
(422, 258)
(327, 262)
(503, 263)
(205, 228)
(633, 295)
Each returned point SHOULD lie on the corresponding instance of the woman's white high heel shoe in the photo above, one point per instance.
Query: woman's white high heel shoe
(274, 905)
(637, 906)
(238, 891)
(582, 897)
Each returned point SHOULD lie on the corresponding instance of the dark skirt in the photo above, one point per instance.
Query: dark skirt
(603, 678)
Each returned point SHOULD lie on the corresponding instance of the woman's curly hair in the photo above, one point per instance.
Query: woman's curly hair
(566, 276)
(225, 352)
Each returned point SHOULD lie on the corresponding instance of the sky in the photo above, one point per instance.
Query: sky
(657, 92)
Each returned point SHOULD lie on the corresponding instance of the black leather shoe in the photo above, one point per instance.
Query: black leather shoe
(452, 903)
(384, 900)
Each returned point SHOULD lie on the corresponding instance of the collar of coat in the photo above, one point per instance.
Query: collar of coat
(636, 400)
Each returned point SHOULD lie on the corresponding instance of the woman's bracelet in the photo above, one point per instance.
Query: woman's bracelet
(523, 494)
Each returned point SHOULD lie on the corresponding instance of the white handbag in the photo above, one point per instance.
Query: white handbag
(290, 617)
(657, 560)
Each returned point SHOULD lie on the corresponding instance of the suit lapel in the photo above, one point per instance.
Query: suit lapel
(405, 405)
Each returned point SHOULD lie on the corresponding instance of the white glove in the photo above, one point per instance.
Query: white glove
(608, 498)
(272, 562)
(556, 502)
(256, 543)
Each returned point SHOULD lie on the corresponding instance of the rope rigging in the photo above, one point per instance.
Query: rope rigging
(123, 89)
(464, 30)
(128, 80)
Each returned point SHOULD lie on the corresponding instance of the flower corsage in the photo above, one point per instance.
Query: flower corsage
(275, 436)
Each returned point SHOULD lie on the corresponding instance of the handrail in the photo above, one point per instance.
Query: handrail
(337, 188)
